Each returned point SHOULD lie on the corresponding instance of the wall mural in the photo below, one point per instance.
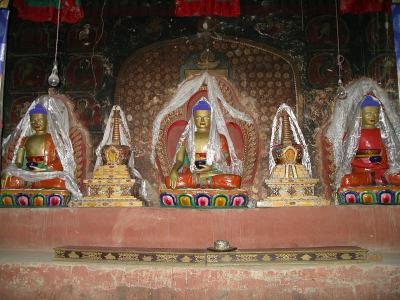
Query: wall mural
(321, 33)
(88, 111)
(29, 73)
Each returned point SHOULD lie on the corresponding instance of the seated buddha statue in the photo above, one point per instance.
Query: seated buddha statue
(370, 162)
(37, 154)
(203, 172)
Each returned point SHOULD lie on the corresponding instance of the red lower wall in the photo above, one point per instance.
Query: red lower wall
(372, 227)
(292, 282)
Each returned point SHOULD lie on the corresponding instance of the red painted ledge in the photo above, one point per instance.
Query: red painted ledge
(372, 227)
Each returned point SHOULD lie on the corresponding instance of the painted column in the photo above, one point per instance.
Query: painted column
(3, 41)
(396, 33)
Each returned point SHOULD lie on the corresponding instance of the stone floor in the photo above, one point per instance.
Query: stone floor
(33, 275)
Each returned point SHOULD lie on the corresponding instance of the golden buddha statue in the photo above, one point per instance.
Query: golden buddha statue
(112, 183)
(42, 167)
(290, 182)
(37, 153)
(204, 175)
(370, 162)
(205, 171)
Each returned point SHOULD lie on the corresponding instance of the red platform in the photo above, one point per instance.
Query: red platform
(33, 275)
(376, 228)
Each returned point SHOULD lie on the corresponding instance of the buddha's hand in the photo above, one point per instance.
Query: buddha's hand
(375, 159)
(36, 167)
(173, 177)
(204, 169)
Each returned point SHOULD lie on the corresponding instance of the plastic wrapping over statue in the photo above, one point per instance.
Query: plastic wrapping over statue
(202, 159)
(43, 156)
(365, 135)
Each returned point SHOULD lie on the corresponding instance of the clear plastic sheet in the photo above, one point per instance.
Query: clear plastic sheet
(215, 156)
(58, 127)
(125, 139)
(276, 136)
(345, 127)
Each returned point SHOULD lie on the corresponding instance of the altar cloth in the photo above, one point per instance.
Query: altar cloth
(206, 257)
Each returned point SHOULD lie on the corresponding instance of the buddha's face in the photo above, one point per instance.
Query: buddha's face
(202, 119)
(370, 116)
(38, 122)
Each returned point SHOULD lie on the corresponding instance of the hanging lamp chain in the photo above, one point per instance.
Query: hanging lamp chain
(57, 31)
(341, 91)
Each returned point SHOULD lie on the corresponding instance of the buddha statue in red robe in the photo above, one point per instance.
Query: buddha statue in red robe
(370, 162)
(204, 175)
(37, 153)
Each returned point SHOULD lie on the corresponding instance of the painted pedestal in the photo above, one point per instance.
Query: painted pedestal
(203, 198)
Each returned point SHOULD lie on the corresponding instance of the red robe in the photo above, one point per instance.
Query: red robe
(370, 145)
(51, 160)
(223, 181)
(370, 162)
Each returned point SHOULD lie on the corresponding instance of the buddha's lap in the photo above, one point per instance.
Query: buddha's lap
(223, 181)
(359, 177)
(15, 182)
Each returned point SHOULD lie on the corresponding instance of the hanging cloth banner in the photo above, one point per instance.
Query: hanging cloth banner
(4, 13)
(364, 6)
(396, 33)
(46, 10)
(223, 8)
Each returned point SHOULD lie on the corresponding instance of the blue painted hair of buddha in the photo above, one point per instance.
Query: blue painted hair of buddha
(202, 104)
(370, 101)
(38, 109)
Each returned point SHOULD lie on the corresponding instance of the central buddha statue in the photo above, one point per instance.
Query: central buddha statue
(205, 173)
(205, 170)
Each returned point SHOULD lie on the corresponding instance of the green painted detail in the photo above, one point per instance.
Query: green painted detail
(366, 195)
(217, 198)
(47, 3)
(185, 200)
(34, 197)
(5, 197)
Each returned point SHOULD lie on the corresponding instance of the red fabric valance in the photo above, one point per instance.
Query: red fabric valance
(224, 8)
(364, 6)
(47, 10)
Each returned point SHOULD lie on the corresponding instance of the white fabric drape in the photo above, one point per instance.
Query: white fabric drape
(276, 137)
